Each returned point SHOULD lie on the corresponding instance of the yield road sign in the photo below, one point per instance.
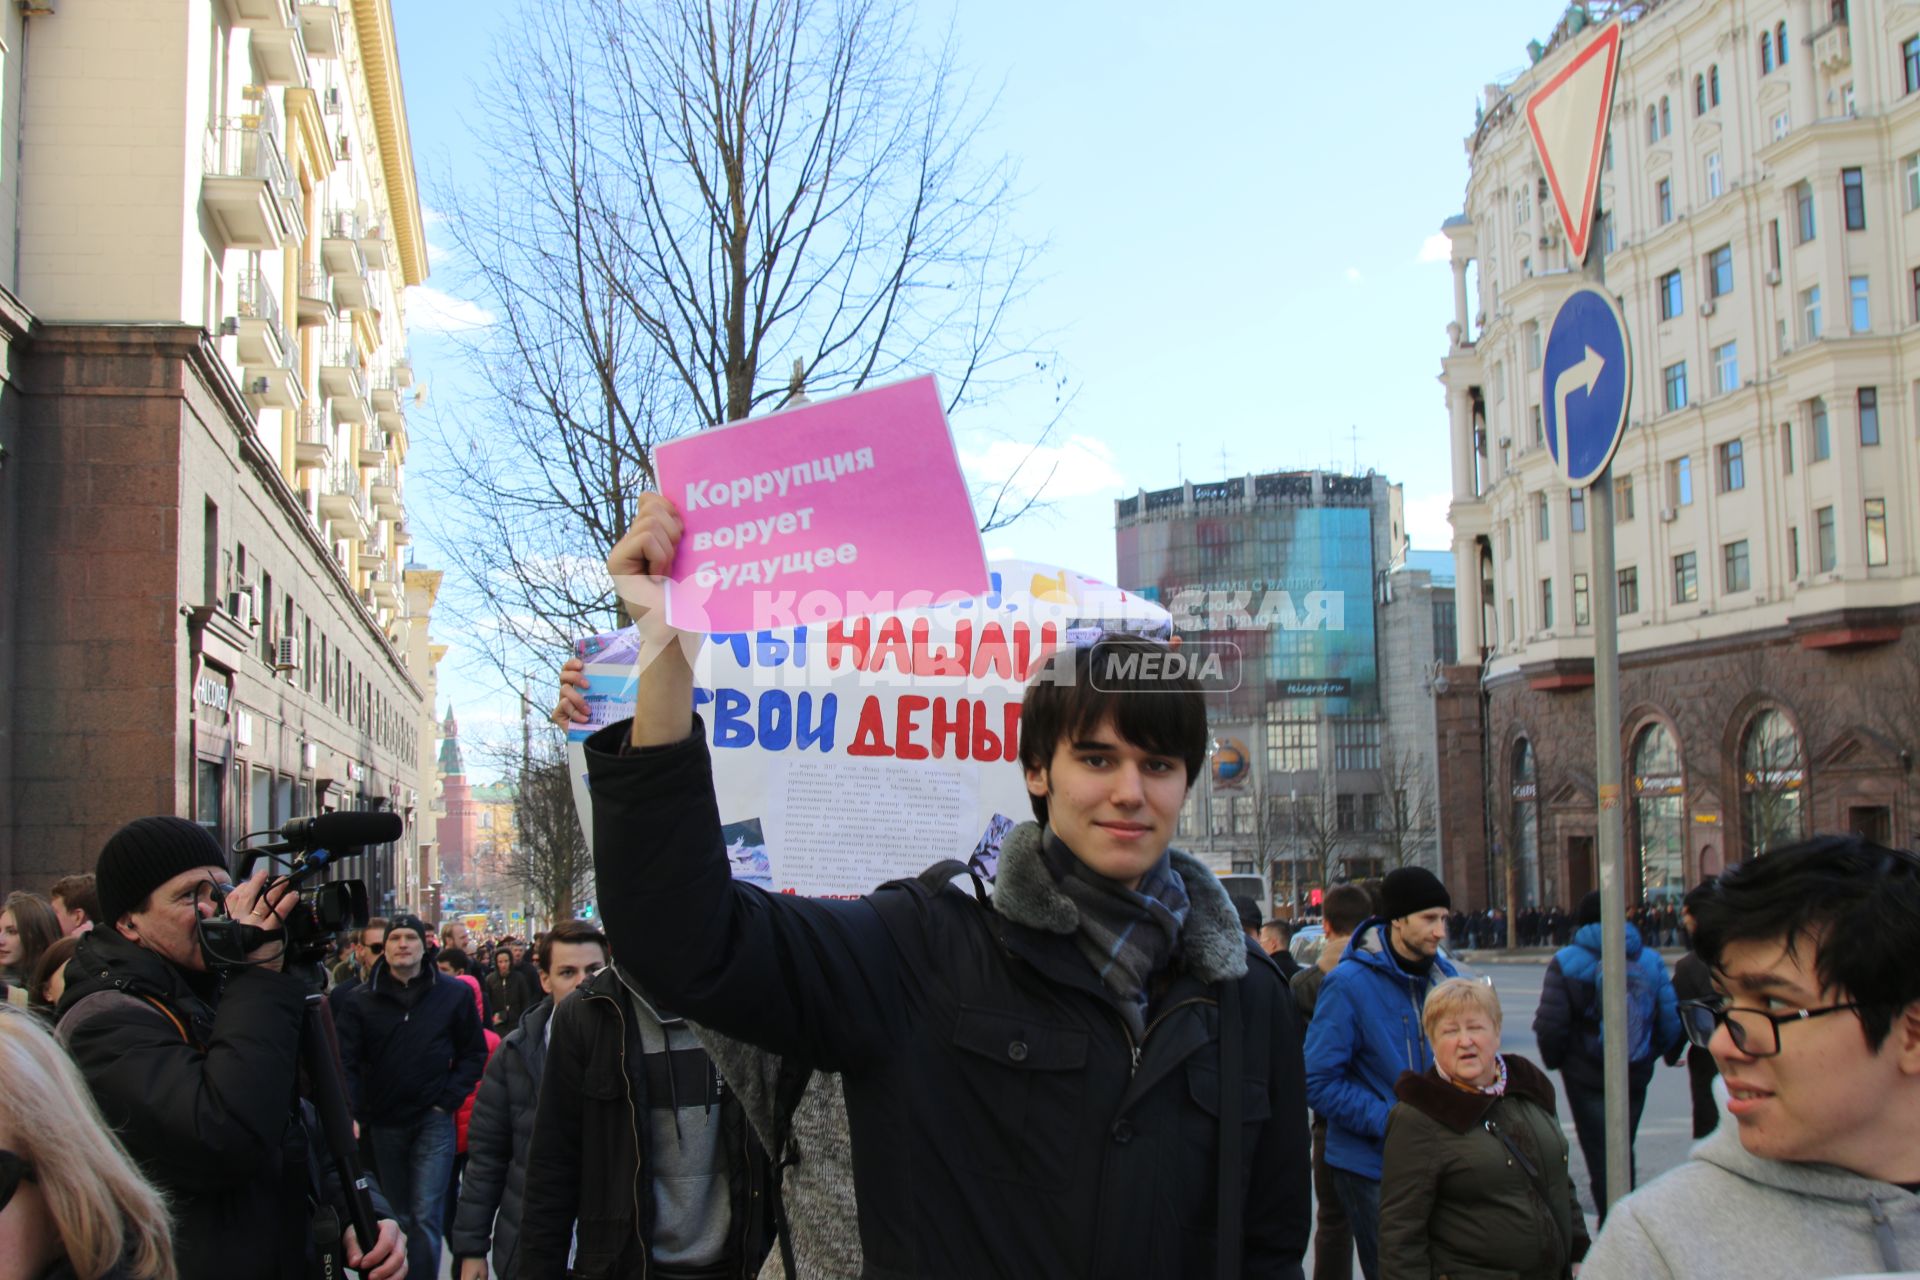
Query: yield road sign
(1568, 119)
(1586, 376)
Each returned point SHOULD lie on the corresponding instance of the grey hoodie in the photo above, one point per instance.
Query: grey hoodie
(1726, 1212)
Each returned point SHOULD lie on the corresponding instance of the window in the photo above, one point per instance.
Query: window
(1793, 553)
(1914, 283)
(1853, 194)
(1824, 545)
(1542, 518)
(1810, 312)
(1780, 43)
(1733, 467)
(1773, 243)
(1772, 775)
(1876, 531)
(1726, 368)
(1781, 124)
(1653, 124)
(1715, 186)
(1523, 204)
(1910, 62)
(1803, 223)
(1628, 590)
(1766, 52)
(1686, 578)
(1293, 746)
(1582, 610)
(1713, 85)
(1817, 424)
(1734, 566)
(1859, 315)
(1867, 402)
(1538, 426)
(1546, 604)
(1720, 272)
(1672, 299)
(1666, 116)
(1533, 344)
(1622, 499)
(1577, 511)
(1786, 448)
(1606, 232)
(1356, 744)
(1663, 200)
(1346, 812)
(1680, 482)
(1659, 834)
(1674, 379)
(1699, 94)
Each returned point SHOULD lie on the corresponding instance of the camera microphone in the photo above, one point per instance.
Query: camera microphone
(346, 829)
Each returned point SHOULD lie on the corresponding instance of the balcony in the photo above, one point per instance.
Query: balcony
(320, 27)
(385, 491)
(280, 54)
(343, 374)
(374, 554)
(373, 449)
(403, 373)
(261, 15)
(315, 305)
(313, 439)
(244, 184)
(373, 244)
(340, 252)
(1833, 47)
(402, 535)
(383, 391)
(386, 591)
(344, 504)
(260, 345)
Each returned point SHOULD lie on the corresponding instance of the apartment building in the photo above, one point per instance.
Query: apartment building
(1760, 226)
(203, 605)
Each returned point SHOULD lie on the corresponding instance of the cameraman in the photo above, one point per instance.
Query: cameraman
(196, 1070)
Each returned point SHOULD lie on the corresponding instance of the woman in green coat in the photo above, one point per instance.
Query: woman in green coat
(1474, 1184)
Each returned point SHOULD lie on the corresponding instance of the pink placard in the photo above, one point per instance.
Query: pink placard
(848, 506)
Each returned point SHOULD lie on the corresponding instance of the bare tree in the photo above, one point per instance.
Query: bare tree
(698, 208)
(1409, 819)
(1316, 824)
(549, 857)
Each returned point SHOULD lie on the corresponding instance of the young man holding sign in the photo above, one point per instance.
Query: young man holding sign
(1052, 1082)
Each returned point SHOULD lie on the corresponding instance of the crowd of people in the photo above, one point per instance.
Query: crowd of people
(1100, 1065)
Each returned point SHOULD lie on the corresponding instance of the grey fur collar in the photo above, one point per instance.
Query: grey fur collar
(1211, 940)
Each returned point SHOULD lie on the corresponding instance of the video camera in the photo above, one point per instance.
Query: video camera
(316, 844)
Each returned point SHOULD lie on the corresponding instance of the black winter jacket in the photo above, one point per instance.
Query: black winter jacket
(509, 997)
(200, 1087)
(493, 1186)
(588, 1159)
(1005, 1121)
(402, 1061)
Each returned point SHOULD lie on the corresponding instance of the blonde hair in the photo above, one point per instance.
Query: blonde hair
(103, 1207)
(1458, 996)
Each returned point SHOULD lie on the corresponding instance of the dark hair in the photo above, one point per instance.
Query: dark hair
(37, 926)
(1280, 927)
(1343, 908)
(52, 961)
(452, 957)
(78, 893)
(573, 932)
(1856, 903)
(1079, 688)
(374, 922)
(1249, 912)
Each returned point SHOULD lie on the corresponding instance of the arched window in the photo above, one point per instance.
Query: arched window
(1666, 116)
(1525, 835)
(1773, 776)
(1699, 94)
(1780, 43)
(1766, 52)
(1713, 85)
(1653, 124)
(1660, 819)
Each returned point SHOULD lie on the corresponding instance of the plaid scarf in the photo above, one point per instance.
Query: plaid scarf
(1126, 934)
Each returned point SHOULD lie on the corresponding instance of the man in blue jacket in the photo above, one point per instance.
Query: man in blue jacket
(1567, 1026)
(411, 1045)
(1366, 1031)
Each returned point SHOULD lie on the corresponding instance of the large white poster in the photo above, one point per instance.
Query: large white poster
(859, 752)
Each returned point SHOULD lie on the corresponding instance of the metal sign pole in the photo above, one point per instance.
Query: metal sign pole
(1613, 843)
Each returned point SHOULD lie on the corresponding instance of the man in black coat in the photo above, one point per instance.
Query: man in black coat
(196, 1070)
(500, 1134)
(411, 1045)
(1093, 1074)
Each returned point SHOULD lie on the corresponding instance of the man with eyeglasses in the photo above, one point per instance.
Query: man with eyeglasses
(1815, 1025)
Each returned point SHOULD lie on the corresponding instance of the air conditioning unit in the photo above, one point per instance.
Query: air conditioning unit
(259, 387)
(240, 606)
(286, 653)
(1668, 515)
(331, 101)
(309, 755)
(1707, 308)
(1773, 276)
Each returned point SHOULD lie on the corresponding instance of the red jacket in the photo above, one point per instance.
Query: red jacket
(465, 1113)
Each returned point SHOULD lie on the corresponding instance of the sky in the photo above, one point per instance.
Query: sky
(1243, 270)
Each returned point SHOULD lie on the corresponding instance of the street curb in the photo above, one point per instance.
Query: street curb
(1540, 955)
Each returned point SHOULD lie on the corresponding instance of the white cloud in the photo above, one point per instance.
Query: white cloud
(1435, 248)
(429, 310)
(1427, 522)
(1080, 467)
(1353, 275)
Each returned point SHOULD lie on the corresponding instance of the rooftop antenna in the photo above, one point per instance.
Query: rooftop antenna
(1179, 465)
(1355, 433)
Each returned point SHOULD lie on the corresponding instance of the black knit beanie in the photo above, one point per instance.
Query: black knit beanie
(1410, 890)
(1588, 912)
(413, 922)
(145, 854)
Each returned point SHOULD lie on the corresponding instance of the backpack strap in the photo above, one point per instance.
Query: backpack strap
(1232, 1098)
(102, 1003)
(936, 877)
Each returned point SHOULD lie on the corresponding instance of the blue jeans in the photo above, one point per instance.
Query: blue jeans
(415, 1163)
(1360, 1197)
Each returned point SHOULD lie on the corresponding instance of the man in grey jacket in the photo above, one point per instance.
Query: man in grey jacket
(1815, 1026)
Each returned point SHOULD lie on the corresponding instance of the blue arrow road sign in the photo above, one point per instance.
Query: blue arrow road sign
(1586, 376)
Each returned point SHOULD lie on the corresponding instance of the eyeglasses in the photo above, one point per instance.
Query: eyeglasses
(376, 947)
(14, 1170)
(1755, 1032)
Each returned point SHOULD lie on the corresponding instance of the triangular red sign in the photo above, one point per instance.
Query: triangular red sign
(1568, 119)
